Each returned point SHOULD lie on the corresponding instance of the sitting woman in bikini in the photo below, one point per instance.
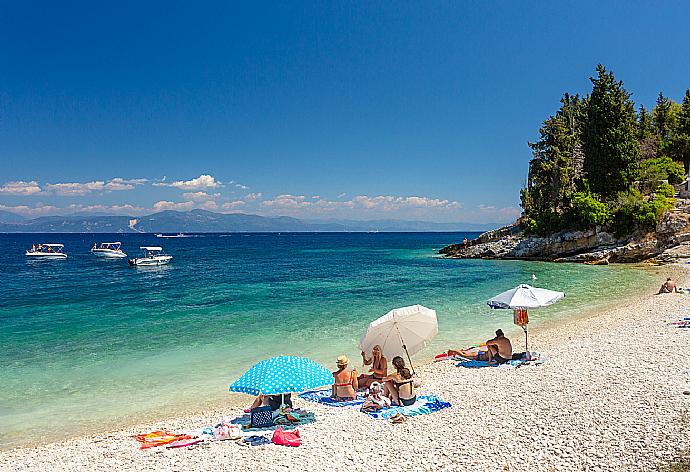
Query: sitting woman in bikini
(399, 386)
(345, 384)
(378, 370)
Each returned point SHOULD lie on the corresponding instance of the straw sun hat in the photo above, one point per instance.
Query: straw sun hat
(342, 361)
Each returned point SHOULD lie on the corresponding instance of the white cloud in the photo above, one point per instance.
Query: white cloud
(202, 182)
(166, 205)
(501, 214)
(200, 196)
(77, 189)
(241, 187)
(51, 210)
(360, 205)
(342, 195)
(251, 197)
(233, 205)
(118, 183)
(20, 187)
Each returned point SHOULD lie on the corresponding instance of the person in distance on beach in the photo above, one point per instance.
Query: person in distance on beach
(378, 370)
(668, 287)
(345, 382)
(499, 349)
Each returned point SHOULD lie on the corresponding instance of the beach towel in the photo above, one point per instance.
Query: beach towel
(424, 405)
(537, 359)
(159, 438)
(244, 420)
(684, 323)
(324, 397)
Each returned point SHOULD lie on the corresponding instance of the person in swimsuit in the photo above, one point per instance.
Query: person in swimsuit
(345, 384)
(668, 287)
(378, 370)
(406, 388)
(499, 349)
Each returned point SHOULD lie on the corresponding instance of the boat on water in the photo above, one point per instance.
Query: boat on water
(47, 251)
(109, 250)
(178, 235)
(153, 256)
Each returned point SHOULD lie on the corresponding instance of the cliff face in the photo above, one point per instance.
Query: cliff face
(670, 241)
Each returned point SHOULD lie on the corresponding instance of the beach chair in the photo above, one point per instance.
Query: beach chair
(261, 417)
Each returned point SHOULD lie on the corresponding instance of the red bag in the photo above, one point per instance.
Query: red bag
(286, 438)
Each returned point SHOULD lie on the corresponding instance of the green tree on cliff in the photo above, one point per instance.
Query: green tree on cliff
(609, 136)
(645, 128)
(555, 168)
(679, 143)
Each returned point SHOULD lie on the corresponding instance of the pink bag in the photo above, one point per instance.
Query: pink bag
(286, 438)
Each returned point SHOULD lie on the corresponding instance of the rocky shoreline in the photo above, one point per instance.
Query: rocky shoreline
(669, 243)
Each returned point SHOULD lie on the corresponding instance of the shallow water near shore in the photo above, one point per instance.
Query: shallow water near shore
(90, 345)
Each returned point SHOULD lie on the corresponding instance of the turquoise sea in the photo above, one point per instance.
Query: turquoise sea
(89, 345)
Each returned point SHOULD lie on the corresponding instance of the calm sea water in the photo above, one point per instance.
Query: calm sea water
(89, 345)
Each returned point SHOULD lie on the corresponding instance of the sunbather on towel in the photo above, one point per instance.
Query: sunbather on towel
(668, 287)
(499, 349)
(274, 401)
(345, 382)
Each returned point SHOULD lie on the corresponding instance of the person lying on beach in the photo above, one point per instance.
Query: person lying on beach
(477, 353)
(274, 401)
(668, 287)
(378, 370)
(376, 400)
(499, 350)
(345, 383)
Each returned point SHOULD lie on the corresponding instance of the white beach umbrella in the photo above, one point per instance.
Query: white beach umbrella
(523, 297)
(402, 330)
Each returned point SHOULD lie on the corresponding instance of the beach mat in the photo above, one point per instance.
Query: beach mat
(244, 420)
(424, 405)
(324, 397)
(537, 359)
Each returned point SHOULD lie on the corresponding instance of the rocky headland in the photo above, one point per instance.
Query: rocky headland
(669, 242)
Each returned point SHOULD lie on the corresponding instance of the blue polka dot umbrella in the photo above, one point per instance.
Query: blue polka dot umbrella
(283, 374)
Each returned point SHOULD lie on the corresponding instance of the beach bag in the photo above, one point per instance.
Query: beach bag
(261, 417)
(286, 438)
(226, 431)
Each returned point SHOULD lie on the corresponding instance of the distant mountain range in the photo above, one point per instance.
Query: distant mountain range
(202, 221)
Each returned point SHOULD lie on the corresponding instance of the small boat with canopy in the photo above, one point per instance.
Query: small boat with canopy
(109, 250)
(153, 256)
(47, 251)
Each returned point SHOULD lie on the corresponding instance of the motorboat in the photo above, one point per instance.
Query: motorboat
(152, 256)
(109, 250)
(47, 251)
(178, 235)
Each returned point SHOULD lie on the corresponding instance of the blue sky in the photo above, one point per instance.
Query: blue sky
(316, 110)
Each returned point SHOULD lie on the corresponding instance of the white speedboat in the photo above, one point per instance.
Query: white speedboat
(178, 235)
(47, 251)
(153, 256)
(110, 250)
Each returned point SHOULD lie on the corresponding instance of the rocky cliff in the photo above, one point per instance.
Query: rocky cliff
(669, 242)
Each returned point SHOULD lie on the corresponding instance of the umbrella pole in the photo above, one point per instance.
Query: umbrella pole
(405, 348)
(527, 354)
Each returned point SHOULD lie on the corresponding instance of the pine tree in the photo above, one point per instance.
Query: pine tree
(644, 124)
(679, 143)
(554, 171)
(609, 136)
(664, 116)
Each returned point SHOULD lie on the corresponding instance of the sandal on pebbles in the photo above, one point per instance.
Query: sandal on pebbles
(398, 418)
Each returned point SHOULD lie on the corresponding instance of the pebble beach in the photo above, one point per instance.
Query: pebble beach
(609, 397)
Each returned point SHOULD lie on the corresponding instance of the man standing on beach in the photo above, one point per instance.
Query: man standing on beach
(499, 349)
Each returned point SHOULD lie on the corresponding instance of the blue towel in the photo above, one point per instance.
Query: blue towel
(324, 397)
(424, 405)
(537, 359)
(244, 421)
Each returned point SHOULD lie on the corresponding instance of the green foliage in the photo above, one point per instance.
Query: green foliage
(666, 190)
(645, 128)
(661, 168)
(588, 211)
(588, 169)
(631, 211)
(609, 136)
